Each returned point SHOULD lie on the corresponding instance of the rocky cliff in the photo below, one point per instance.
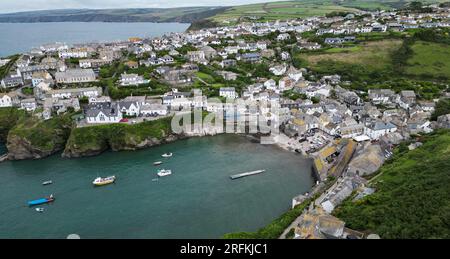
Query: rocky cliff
(33, 138)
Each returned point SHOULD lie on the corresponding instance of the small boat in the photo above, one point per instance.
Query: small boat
(167, 155)
(157, 163)
(47, 182)
(39, 209)
(155, 179)
(164, 172)
(99, 181)
(41, 201)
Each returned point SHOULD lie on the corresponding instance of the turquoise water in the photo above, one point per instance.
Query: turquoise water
(197, 201)
(21, 37)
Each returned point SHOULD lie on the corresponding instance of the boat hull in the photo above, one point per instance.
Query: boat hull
(40, 201)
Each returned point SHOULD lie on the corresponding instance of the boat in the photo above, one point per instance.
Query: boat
(157, 163)
(100, 181)
(41, 201)
(47, 182)
(155, 179)
(40, 209)
(164, 172)
(167, 155)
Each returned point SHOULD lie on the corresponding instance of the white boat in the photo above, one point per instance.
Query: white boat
(99, 181)
(164, 172)
(157, 163)
(39, 209)
(167, 155)
(47, 182)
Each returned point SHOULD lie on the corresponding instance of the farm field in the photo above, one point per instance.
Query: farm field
(281, 10)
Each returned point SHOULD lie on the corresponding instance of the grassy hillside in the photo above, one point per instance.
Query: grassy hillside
(96, 139)
(376, 54)
(412, 197)
(8, 119)
(46, 135)
(430, 59)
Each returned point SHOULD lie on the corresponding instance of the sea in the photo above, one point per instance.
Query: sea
(22, 37)
(199, 200)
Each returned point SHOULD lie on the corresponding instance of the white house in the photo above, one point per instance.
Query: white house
(379, 128)
(28, 104)
(132, 79)
(154, 109)
(8, 99)
(104, 113)
(228, 92)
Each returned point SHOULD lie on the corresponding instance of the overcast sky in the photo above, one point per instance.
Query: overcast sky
(8, 6)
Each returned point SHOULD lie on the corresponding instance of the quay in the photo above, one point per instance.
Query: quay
(237, 176)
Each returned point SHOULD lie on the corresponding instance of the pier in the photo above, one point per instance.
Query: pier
(237, 176)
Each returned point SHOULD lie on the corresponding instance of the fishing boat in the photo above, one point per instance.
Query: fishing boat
(41, 201)
(100, 181)
(47, 182)
(157, 163)
(167, 155)
(164, 172)
(39, 209)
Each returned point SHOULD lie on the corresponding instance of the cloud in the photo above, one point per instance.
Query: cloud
(8, 6)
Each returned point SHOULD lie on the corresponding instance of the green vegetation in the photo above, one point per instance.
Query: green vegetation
(116, 136)
(8, 119)
(27, 90)
(442, 108)
(429, 60)
(279, 10)
(397, 62)
(47, 136)
(411, 200)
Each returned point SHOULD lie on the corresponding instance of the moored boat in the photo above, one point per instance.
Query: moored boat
(164, 172)
(47, 182)
(40, 209)
(167, 155)
(100, 181)
(157, 163)
(41, 201)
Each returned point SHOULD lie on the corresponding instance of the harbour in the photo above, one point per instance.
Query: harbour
(187, 204)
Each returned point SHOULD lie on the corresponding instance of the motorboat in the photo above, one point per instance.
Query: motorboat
(39, 209)
(164, 172)
(100, 181)
(157, 163)
(41, 201)
(47, 182)
(167, 155)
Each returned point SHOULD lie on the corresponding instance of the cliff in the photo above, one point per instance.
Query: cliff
(93, 140)
(8, 119)
(32, 138)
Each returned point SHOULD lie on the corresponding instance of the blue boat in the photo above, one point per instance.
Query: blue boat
(41, 201)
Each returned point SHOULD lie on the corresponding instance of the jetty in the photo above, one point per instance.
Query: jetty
(237, 176)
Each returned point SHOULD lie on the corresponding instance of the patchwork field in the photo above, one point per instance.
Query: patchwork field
(374, 53)
(281, 10)
(429, 59)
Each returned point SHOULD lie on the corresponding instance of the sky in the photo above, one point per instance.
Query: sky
(9, 6)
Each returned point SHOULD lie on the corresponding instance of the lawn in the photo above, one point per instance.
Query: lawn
(429, 59)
